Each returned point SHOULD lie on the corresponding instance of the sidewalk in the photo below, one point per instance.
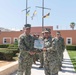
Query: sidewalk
(67, 67)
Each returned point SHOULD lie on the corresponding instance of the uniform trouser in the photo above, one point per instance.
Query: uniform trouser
(50, 69)
(41, 59)
(34, 58)
(55, 74)
(60, 60)
(25, 66)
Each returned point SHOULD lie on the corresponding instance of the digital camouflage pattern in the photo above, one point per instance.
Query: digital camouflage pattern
(50, 57)
(41, 59)
(41, 56)
(25, 44)
(60, 48)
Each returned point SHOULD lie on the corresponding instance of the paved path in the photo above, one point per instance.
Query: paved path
(67, 67)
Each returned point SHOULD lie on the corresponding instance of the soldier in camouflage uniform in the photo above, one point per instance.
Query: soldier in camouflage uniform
(35, 57)
(41, 54)
(26, 47)
(50, 55)
(60, 47)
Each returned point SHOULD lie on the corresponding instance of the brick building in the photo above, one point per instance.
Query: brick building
(9, 37)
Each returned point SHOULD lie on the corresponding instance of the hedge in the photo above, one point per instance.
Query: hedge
(13, 45)
(71, 47)
(4, 45)
(8, 54)
(14, 48)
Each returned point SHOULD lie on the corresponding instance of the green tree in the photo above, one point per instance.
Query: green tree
(16, 42)
(72, 25)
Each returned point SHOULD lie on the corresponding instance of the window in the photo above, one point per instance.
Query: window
(6, 40)
(69, 41)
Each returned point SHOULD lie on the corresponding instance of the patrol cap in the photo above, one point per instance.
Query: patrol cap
(58, 32)
(27, 26)
(35, 34)
(47, 30)
(42, 32)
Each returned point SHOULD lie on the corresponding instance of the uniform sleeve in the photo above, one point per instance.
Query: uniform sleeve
(21, 44)
(63, 44)
(53, 47)
(32, 43)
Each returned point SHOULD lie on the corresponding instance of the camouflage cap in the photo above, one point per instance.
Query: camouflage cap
(42, 32)
(58, 32)
(47, 30)
(27, 26)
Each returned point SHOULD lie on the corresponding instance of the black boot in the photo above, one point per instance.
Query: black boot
(41, 67)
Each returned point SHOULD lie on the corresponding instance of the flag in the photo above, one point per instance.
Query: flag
(57, 26)
(23, 10)
(47, 15)
(35, 12)
(27, 14)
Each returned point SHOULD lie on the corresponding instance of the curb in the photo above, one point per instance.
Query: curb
(8, 69)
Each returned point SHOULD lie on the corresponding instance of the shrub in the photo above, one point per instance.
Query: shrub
(1, 56)
(71, 47)
(8, 54)
(14, 51)
(12, 46)
(4, 46)
(16, 42)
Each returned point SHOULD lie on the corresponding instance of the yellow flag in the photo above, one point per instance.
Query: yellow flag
(35, 12)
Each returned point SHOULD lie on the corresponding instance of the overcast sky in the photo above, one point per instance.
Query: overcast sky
(62, 13)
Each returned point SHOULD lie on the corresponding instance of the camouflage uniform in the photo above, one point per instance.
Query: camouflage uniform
(41, 56)
(50, 55)
(50, 58)
(41, 59)
(60, 48)
(25, 61)
(35, 57)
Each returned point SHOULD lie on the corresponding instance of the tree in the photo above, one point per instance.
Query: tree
(72, 25)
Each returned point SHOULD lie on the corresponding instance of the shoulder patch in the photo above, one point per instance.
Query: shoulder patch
(21, 36)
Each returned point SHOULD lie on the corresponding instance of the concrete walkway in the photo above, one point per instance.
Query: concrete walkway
(67, 67)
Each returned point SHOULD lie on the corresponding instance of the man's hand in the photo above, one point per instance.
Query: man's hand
(44, 49)
(32, 53)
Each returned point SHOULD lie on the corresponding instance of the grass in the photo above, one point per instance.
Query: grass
(72, 54)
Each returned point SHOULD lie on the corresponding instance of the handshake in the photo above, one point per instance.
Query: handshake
(32, 52)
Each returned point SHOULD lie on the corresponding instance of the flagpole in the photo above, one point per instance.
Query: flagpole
(42, 15)
(26, 11)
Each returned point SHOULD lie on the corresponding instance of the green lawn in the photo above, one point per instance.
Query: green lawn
(72, 54)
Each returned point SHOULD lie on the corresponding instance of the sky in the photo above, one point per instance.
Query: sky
(62, 13)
